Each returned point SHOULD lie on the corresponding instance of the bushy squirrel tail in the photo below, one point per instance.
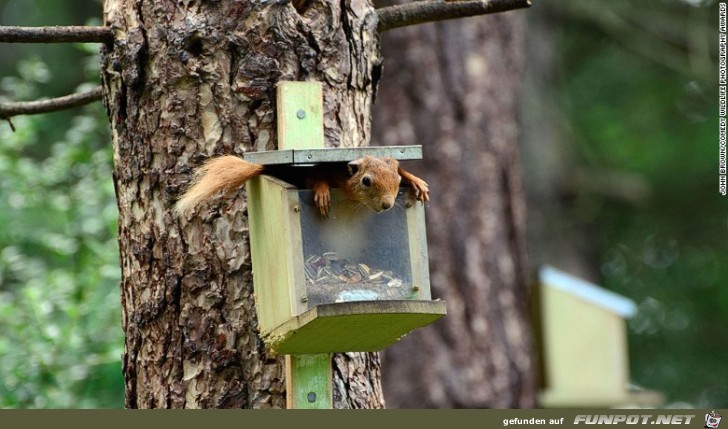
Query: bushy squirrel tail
(218, 174)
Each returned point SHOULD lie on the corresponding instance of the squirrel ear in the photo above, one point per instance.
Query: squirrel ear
(391, 161)
(354, 167)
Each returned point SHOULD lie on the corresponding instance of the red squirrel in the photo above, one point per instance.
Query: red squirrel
(372, 181)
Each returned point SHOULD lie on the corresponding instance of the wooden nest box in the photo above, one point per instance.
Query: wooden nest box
(584, 345)
(355, 281)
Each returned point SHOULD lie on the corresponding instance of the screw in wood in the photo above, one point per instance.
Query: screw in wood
(311, 397)
(301, 114)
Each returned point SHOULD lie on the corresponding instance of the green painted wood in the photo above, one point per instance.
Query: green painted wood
(417, 240)
(300, 115)
(309, 378)
(308, 381)
(275, 246)
(308, 336)
(352, 326)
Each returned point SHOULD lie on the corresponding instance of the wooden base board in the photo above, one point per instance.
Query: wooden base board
(358, 326)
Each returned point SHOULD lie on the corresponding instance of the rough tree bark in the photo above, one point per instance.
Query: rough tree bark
(186, 80)
(454, 88)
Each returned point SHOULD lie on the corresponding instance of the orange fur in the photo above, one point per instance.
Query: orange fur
(216, 175)
(371, 181)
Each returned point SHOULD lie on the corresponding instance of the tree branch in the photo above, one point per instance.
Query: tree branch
(438, 10)
(9, 109)
(78, 34)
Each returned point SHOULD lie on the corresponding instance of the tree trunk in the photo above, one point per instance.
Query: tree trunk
(187, 80)
(454, 88)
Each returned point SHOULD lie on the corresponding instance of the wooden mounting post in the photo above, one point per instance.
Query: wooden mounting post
(300, 115)
(308, 381)
(301, 126)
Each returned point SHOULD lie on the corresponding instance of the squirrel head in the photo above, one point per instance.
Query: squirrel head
(374, 182)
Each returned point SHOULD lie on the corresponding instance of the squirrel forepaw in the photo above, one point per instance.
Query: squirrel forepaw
(322, 200)
(322, 197)
(421, 189)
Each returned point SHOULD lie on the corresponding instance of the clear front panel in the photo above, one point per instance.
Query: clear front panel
(356, 254)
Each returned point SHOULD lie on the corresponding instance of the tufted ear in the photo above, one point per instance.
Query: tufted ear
(354, 166)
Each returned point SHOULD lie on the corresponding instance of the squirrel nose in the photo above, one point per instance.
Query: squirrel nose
(386, 205)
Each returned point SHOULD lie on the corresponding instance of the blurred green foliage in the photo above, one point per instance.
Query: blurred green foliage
(60, 318)
(60, 313)
(650, 113)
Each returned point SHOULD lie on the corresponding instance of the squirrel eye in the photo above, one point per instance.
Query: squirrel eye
(366, 181)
